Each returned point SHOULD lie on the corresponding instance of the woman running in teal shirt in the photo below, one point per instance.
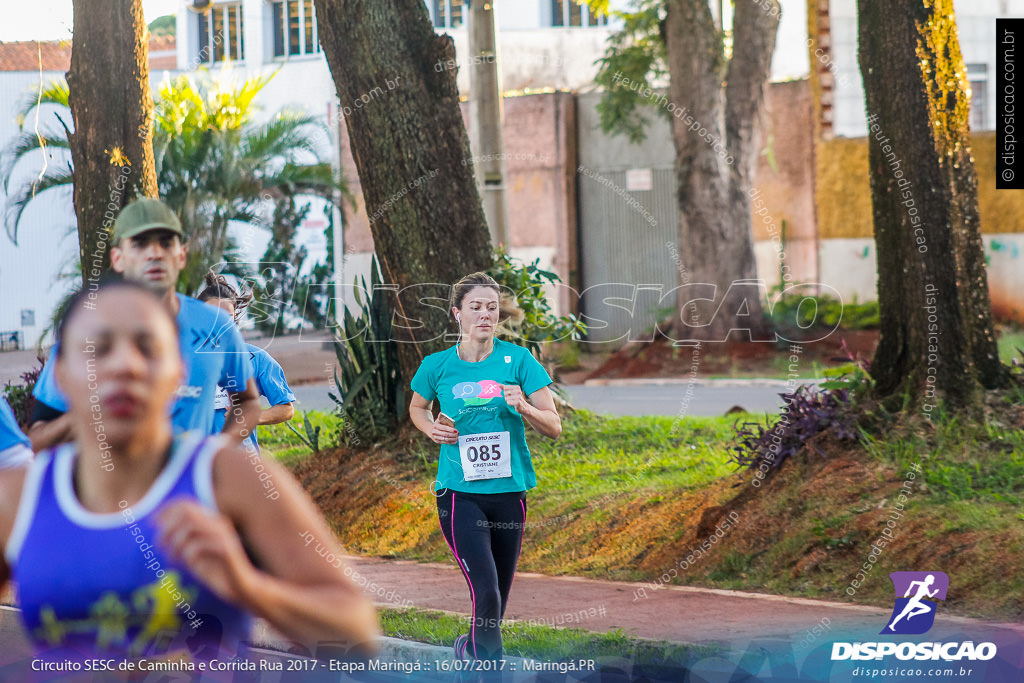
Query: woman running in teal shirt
(488, 388)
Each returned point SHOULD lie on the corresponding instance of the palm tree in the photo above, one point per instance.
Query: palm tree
(56, 170)
(214, 164)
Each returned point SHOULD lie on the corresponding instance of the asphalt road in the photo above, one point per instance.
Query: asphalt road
(704, 398)
(307, 359)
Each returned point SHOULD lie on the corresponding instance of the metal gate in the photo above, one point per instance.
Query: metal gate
(628, 227)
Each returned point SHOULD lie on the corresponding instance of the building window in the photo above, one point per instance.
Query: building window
(295, 28)
(446, 13)
(977, 76)
(220, 34)
(572, 13)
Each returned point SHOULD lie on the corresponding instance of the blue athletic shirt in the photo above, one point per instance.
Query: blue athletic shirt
(470, 393)
(14, 445)
(213, 353)
(270, 381)
(46, 389)
(94, 584)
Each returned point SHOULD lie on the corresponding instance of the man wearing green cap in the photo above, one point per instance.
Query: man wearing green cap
(148, 248)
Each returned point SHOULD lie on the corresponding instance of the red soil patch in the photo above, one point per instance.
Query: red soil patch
(660, 359)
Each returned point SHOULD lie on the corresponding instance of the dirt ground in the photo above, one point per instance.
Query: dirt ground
(661, 359)
(393, 516)
(805, 531)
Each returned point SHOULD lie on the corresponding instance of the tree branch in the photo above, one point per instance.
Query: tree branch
(695, 58)
(754, 31)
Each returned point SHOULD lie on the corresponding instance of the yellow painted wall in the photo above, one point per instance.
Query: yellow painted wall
(1002, 211)
(843, 194)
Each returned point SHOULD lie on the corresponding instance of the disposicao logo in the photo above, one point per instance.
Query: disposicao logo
(477, 393)
(914, 612)
(917, 594)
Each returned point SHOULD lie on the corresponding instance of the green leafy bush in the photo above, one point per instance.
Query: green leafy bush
(312, 434)
(19, 396)
(371, 390)
(526, 283)
(826, 313)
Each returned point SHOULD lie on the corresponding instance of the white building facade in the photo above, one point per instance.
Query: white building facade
(543, 45)
(845, 116)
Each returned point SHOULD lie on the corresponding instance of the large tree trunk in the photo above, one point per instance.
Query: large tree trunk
(936, 317)
(717, 143)
(111, 106)
(397, 89)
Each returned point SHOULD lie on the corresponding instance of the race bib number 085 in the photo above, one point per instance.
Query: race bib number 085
(485, 456)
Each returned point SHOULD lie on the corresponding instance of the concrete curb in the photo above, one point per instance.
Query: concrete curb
(396, 648)
(670, 381)
(265, 637)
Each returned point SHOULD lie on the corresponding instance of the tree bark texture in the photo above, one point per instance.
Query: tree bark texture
(937, 335)
(395, 79)
(717, 140)
(111, 107)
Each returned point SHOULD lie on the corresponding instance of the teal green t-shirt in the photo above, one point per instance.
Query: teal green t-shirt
(471, 394)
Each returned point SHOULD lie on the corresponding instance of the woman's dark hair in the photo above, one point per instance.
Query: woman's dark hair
(218, 287)
(83, 298)
(508, 309)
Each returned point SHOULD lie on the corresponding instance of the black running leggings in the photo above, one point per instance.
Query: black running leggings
(485, 532)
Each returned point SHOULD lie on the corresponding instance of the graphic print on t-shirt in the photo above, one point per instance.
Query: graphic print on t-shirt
(472, 395)
(477, 393)
(483, 453)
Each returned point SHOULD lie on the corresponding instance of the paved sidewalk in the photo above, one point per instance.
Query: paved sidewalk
(741, 622)
(673, 613)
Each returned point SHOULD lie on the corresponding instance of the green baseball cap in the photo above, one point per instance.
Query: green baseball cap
(143, 215)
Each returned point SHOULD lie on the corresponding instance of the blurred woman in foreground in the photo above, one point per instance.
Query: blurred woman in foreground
(132, 543)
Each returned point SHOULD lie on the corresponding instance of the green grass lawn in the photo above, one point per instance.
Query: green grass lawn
(963, 464)
(541, 642)
(1009, 343)
(597, 469)
(616, 493)
(598, 454)
(286, 446)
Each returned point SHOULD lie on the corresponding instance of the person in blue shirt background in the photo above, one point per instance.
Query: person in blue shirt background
(14, 445)
(148, 248)
(487, 389)
(268, 373)
(136, 542)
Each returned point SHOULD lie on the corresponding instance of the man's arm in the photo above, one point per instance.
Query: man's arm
(49, 424)
(272, 383)
(48, 427)
(277, 414)
(244, 413)
(12, 481)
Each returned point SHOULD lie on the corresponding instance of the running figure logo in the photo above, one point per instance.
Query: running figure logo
(914, 612)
